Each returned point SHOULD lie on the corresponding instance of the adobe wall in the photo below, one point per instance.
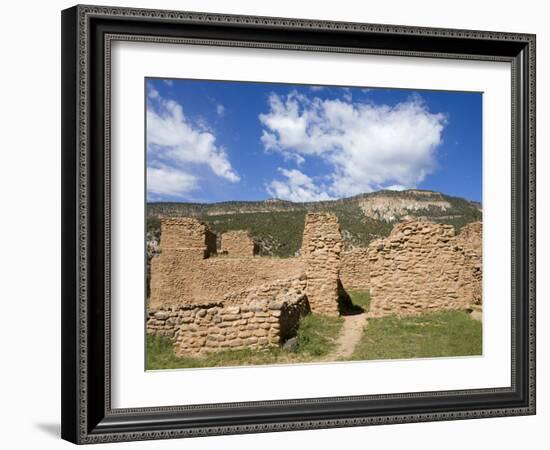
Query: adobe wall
(181, 280)
(237, 243)
(423, 266)
(184, 273)
(188, 236)
(181, 273)
(355, 269)
(321, 249)
(469, 241)
(260, 323)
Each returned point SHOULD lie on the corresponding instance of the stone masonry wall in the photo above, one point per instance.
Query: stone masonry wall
(237, 243)
(321, 249)
(355, 269)
(469, 241)
(423, 266)
(187, 235)
(261, 323)
(180, 280)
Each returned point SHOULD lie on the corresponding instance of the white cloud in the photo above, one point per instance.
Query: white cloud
(220, 110)
(317, 88)
(298, 187)
(168, 82)
(176, 142)
(152, 93)
(168, 181)
(367, 146)
(395, 187)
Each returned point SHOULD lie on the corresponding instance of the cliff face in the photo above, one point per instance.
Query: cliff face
(390, 209)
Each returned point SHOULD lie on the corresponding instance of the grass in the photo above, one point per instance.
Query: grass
(449, 333)
(317, 334)
(360, 299)
(315, 339)
(352, 302)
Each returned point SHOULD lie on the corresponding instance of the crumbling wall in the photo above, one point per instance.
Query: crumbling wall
(180, 280)
(238, 243)
(469, 241)
(182, 271)
(187, 236)
(355, 269)
(321, 249)
(423, 267)
(264, 321)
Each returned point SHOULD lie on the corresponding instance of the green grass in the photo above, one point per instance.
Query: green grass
(316, 337)
(353, 302)
(450, 333)
(317, 334)
(361, 299)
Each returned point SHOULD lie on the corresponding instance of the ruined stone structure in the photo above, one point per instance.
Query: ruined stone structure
(187, 238)
(267, 316)
(423, 266)
(187, 270)
(355, 269)
(470, 243)
(321, 248)
(207, 301)
(238, 243)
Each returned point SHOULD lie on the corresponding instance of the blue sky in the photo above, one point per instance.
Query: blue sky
(211, 141)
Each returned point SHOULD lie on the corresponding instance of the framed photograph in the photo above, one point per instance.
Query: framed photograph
(281, 224)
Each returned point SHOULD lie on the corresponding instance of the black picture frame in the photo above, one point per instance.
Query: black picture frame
(87, 415)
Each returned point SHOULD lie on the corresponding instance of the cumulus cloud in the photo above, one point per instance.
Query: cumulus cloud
(177, 147)
(297, 187)
(168, 181)
(367, 146)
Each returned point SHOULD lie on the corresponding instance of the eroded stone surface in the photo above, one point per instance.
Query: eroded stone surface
(423, 266)
(321, 249)
(238, 243)
(267, 316)
(355, 269)
(206, 302)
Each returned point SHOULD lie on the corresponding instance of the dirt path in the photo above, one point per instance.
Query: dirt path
(351, 333)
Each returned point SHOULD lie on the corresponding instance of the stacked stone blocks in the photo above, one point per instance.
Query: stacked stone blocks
(321, 250)
(263, 321)
(238, 243)
(423, 266)
(207, 303)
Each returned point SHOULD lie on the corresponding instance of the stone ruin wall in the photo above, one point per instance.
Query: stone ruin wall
(269, 315)
(187, 237)
(420, 267)
(177, 280)
(423, 266)
(322, 246)
(469, 241)
(238, 243)
(355, 269)
(182, 273)
(201, 309)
